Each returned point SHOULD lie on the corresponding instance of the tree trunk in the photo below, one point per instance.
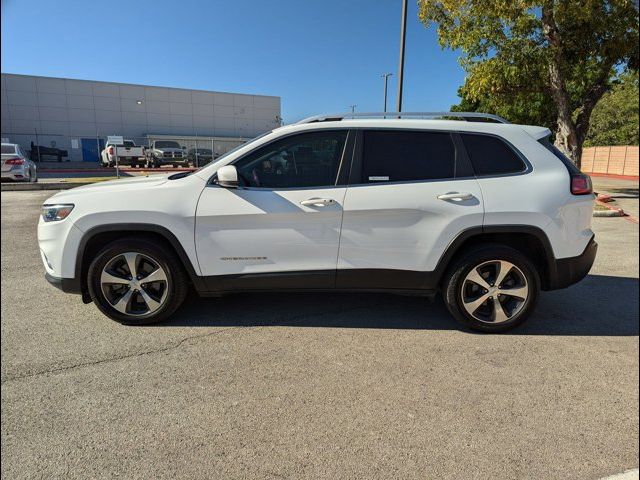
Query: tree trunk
(567, 138)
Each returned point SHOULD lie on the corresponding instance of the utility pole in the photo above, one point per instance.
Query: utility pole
(403, 36)
(386, 77)
(353, 108)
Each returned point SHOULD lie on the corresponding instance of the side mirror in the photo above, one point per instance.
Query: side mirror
(228, 176)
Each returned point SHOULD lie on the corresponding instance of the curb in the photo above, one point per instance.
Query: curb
(111, 170)
(633, 178)
(608, 213)
(23, 187)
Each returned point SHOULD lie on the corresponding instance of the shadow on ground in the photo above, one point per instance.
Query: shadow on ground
(624, 192)
(599, 305)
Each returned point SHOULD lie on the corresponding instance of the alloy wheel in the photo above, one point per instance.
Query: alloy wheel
(494, 291)
(134, 283)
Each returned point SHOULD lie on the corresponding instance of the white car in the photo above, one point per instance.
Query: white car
(487, 213)
(126, 154)
(16, 164)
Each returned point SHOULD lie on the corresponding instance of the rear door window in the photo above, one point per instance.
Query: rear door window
(404, 155)
(491, 156)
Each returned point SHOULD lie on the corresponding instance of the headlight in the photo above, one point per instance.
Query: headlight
(55, 213)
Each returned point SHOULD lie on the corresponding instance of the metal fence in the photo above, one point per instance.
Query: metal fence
(195, 151)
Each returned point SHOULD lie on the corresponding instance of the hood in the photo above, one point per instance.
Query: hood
(113, 186)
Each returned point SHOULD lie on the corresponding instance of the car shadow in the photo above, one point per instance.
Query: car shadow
(597, 306)
(624, 192)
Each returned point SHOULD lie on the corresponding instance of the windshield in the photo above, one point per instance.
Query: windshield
(221, 158)
(8, 149)
(235, 149)
(167, 144)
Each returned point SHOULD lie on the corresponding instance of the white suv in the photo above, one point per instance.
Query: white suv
(487, 212)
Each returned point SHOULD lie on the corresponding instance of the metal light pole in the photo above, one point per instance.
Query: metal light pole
(403, 36)
(386, 77)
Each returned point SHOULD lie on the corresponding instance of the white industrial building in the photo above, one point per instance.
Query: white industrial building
(77, 115)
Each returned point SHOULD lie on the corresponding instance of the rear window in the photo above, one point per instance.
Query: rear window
(8, 149)
(397, 156)
(491, 155)
(546, 143)
(129, 144)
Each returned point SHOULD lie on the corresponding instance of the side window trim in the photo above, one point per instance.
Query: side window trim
(344, 166)
(355, 176)
(528, 167)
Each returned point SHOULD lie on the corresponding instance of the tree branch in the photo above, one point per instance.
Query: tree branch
(591, 99)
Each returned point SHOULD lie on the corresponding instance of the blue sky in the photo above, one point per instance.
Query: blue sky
(319, 56)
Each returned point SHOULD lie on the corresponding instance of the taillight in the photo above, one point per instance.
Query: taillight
(581, 184)
(110, 150)
(14, 161)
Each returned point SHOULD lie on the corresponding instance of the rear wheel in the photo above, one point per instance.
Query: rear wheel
(134, 282)
(492, 288)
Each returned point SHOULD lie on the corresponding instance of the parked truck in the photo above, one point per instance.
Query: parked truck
(128, 154)
(166, 152)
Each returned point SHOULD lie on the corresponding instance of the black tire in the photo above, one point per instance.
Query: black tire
(452, 288)
(176, 285)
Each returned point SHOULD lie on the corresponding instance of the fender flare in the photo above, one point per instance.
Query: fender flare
(454, 247)
(197, 281)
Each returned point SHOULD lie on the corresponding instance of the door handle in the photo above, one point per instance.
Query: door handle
(456, 196)
(317, 202)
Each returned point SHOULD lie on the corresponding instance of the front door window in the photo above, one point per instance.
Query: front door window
(305, 160)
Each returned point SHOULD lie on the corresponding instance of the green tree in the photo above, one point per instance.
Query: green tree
(615, 119)
(539, 59)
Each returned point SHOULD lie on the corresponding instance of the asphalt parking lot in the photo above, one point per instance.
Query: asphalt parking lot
(317, 386)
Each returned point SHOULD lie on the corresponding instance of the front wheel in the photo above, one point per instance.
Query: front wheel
(136, 282)
(491, 288)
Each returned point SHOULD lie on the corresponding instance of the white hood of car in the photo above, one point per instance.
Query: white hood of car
(111, 187)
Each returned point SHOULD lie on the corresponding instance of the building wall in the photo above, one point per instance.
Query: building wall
(57, 111)
(620, 160)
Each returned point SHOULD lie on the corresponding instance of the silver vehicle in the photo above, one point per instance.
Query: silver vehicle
(166, 152)
(16, 164)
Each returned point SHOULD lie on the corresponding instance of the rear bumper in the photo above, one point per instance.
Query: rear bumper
(67, 285)
(567, 271)
(127, 160)
(15, 174)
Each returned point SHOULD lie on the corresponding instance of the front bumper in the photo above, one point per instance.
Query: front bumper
(67, 285)
(567, 271)
(169, 161)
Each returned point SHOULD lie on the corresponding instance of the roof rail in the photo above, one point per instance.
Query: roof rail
(467, 116)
